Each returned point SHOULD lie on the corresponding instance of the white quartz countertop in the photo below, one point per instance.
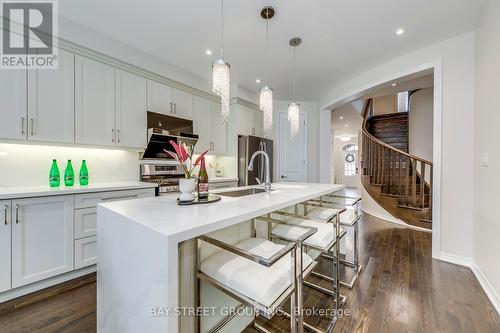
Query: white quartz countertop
(40, 191)
(180, 223)
(222, 179)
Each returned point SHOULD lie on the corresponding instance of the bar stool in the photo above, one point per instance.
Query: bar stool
(326, 206)
(324, 241)
(259, 274)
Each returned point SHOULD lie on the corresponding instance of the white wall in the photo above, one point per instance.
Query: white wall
(457, 58)
(486, 140)
(420, 123)
(311, 111)
(29, 165)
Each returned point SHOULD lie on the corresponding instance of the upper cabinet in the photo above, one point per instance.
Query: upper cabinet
(94, 102)
(249, 121)
(208, 125)
(131, 115)
(169, 101)
(51, 102)
(13, 114)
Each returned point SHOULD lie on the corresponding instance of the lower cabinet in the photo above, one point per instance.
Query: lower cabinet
(5, 246)
(42, 238)
(85, 252)
(221, 185)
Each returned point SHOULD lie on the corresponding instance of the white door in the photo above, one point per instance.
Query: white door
(292, 163)
(5, 242)
(183, 104)
(13, 113)
(51, 108)
(94, 102)
(131, 118)
(350, 163)
(159, 98)
(258, 123)
(218, 130)
(42, 238)
(201, 124)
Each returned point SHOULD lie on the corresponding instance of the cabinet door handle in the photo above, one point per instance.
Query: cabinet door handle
(171, 108)
(32, 130)
(112, 135)
(22, 125)
(120, 197)
(5, 211)
(175, 108)
(17, 214)
(118, 135)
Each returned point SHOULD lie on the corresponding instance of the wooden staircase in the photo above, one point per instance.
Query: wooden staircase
(395, 179)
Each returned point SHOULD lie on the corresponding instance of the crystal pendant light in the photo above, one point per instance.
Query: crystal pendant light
(294, 108)
(266, 93)
(220, 74)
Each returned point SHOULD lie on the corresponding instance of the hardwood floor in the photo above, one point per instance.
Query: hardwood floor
(401, 289)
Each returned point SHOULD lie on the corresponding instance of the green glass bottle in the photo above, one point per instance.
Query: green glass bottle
(54, 175)
(84, 174)
(69, 175)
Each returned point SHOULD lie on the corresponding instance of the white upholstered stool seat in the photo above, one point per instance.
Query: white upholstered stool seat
(347, 218)
(262, 284)
(323, 238)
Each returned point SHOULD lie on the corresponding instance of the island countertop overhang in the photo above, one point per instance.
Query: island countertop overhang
(180, 223)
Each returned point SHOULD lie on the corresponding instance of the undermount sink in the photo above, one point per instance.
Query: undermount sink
(242, 193)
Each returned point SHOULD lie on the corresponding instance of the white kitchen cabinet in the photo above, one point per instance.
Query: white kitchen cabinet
(94, 102)
(182, 104)
(51, 102)
(13, 115)
(131, 117)
(159, 98)
(218, 131)
(258, 123)
(5, 245)
(244, 121)
(85, 222)
(208, 125)
(42, 238)
(85, 252)
(169, 101)
(201, 124)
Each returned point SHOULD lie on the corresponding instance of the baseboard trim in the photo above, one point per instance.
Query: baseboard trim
(394, 221)
(487, 287)
(481, 278)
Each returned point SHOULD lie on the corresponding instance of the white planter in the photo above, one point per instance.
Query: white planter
(187, 186)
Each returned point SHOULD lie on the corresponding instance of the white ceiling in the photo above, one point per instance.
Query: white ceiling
(340, 38)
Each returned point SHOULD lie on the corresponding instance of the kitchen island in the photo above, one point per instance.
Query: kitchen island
(141, 256)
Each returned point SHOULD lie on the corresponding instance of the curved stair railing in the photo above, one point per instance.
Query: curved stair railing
(399, 174)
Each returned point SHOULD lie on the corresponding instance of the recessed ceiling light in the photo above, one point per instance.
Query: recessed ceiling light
(394, 84)
(341, 117)
(208, 52)
(346, 125)
(400, 31)
(257, 81)
(345, 138)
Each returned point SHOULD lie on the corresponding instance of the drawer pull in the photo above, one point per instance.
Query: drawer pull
(120, 197)
(17, 214)
(5, 211)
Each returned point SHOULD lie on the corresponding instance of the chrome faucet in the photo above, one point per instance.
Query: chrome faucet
(267, 181)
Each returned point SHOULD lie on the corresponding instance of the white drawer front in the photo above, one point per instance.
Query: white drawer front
(85, 252)
(85, 222)
(89, 200)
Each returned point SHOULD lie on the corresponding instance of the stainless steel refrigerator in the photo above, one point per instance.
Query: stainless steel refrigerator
(247, 145)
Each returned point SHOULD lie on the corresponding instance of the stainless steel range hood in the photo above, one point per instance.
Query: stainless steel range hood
(162, 129)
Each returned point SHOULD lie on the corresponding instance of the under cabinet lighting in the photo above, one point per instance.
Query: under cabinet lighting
(208, 52)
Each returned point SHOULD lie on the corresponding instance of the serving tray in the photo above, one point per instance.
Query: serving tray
(211, 198)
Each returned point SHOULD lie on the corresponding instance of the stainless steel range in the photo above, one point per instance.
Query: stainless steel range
(165, 175)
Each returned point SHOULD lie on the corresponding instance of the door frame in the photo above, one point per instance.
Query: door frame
(278, 150)
(437, 67)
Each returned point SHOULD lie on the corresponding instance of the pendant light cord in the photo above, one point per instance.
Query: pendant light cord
(293, 85)
(267, 47)
(222, 29)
